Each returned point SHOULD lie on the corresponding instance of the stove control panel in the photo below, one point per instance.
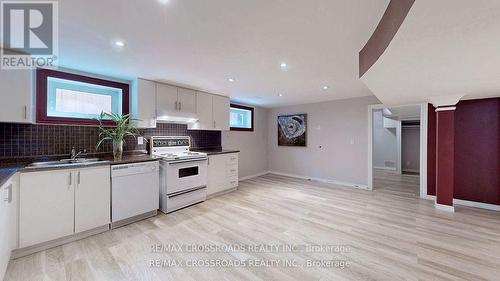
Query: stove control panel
(157, 142)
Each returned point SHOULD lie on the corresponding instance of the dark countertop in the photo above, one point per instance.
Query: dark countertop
(6, 173)
(9, 168)
(214, 151)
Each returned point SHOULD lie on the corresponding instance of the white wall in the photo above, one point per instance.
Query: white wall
(336, 141)
(385, 143)
(410, 149)
(253, 158)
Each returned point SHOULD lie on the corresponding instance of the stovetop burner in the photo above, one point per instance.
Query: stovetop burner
(174, 148)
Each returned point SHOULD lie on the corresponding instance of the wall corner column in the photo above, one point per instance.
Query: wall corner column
(445, 149)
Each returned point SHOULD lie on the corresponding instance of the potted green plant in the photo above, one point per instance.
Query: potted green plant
(123, 127)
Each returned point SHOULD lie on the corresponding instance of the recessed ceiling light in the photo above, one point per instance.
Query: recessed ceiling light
(324, 87)
(280, 95)
(119, 43)
(230, 80)
(283, 65)
(164, 2)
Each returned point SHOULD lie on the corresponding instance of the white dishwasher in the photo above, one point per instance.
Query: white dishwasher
(135, 192)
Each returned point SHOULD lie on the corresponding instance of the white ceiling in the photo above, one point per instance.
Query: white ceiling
(200, 43)
(444, 50)
(411, 112)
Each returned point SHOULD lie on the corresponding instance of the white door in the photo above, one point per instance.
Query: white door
(46, 209)
(15, 96)
(144, 97)
(221, 113)
(166, 99)
(187, 100)
(204, 111)
(92, 198)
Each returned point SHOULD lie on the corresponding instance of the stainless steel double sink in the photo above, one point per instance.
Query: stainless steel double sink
(66, 163)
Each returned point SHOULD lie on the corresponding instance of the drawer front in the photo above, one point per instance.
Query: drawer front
(232, 171)
(232, 159)
(232, 182)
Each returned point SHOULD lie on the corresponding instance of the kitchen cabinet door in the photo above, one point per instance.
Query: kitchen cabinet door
(166, 100)
(143, 103)
(222, 172)
(187, 100)
(16, 96)
(204, 111)
(221, 113)
(216, 174)
(92, 198)
(8, 227)
(46, 206)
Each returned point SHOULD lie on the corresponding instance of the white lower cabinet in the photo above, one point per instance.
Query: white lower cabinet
(222, 172)
(8, 222)
(92, 199)
(58, 203)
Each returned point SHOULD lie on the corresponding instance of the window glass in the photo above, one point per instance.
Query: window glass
(240, 118)
(73, 99)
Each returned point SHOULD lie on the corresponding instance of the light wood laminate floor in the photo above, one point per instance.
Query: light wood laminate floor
(390, 234)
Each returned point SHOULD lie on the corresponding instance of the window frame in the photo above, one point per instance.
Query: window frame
(42, 76)
(252, 112)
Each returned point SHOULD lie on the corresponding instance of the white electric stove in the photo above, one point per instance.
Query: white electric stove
(183, 173)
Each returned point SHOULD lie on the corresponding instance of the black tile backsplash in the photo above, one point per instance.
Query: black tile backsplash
(30, 140)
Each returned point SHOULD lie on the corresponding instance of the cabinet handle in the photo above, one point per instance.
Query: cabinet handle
(25, 112)
(78, 177)
(233, 170)
(233, 182)
(176, 107)
(214, 123)
(70, 179)
(180, 105)
(8, 199)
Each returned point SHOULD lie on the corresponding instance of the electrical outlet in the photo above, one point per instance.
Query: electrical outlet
(140, 140)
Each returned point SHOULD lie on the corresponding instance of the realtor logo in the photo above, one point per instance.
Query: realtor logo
(29, 34)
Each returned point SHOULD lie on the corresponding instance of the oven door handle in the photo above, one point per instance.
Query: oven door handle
(179, 193)
(186, 161)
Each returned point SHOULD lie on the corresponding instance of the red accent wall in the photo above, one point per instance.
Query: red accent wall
(431, 150)
(477, 151)
(445, 157)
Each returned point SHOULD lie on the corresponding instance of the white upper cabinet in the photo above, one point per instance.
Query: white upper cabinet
(152, 101)
(186, 100)
(204, 112)
(166, 100)
(212, 112)
(221, 113)
(16, 92)
(143, 101)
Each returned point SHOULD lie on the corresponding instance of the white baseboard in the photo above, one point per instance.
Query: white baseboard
(254, 176)
(476, 204)
(430, 197)
(355, 185)
(384, 168)
(468, 203)
(445, 208)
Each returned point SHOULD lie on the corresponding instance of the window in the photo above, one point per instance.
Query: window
(64, 98)
(241, 118)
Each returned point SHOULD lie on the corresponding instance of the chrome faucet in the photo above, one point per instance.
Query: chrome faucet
(74, 154)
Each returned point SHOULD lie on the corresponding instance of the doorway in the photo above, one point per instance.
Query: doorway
(397, 149)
